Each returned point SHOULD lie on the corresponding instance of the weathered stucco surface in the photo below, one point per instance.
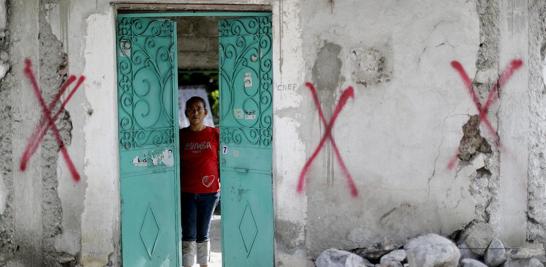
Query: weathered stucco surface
(403, 125)
(410, 115)
(406, 121)
(102, 194)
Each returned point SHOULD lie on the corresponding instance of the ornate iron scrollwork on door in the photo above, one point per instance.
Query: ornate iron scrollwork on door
(245, 74)
(145, 69)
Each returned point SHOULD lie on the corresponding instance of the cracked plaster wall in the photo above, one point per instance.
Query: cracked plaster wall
(406, 121)
(32, 213)
(43, 208)
(404, 124)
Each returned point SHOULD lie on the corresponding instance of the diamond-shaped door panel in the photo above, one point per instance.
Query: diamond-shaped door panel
(149, 231)
(248, 228)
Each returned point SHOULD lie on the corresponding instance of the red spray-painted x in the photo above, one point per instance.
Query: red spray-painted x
(48, 121)
(491, 97)
(345, 95)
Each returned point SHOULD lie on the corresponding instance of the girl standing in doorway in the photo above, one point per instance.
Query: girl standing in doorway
(199, 182)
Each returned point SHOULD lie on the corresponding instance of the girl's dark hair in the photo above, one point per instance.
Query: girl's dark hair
(195, 99)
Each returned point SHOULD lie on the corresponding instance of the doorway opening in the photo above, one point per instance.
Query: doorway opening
(219, 55)
(197, 44)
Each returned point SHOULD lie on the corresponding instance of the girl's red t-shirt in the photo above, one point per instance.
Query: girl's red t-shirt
(199, 154)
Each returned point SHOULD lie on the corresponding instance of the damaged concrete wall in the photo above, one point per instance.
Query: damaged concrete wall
(402, 127)
(421, 156)
(536, 214)
(46, 216)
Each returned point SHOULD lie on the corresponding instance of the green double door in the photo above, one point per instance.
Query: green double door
(149, 146)
(245, 145)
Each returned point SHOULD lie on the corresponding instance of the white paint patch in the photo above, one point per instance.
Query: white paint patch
(100, 218)
(138, 162)
(290, 204)
(167, 158)
(3, 195)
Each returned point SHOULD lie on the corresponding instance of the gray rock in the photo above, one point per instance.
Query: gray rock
(4, 56)
(478, 236)
(432, 250)
(398, 255)
(376, 251)
(532, 262)
(495, 255)
(472, 263)
(4, 67)
(339, 258)
(527, 251)
(466, 253)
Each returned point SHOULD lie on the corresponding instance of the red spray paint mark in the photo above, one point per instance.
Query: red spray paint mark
(48, 121)
(345, 95)
(491, 97)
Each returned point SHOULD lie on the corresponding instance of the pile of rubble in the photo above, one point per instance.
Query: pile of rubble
(475, 247)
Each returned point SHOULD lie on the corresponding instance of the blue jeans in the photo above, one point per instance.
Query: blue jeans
(197, 212)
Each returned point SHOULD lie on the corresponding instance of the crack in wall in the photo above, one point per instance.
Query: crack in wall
(485, 181)
(53, 72)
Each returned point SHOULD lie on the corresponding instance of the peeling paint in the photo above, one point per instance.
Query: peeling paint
(162, 158)
(370, 66)
(51, 59)
(472, 142)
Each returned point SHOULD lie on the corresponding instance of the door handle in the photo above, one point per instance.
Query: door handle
(241, 170)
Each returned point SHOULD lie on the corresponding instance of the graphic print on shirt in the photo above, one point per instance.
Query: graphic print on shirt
(208, 180)
(199, 155)
(197, 147)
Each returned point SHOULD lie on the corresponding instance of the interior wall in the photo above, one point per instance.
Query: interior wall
(197, 42)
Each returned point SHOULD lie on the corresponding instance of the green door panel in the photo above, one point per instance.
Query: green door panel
(148, 141)
(245, 137)
(146, 237)
(247, 219)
